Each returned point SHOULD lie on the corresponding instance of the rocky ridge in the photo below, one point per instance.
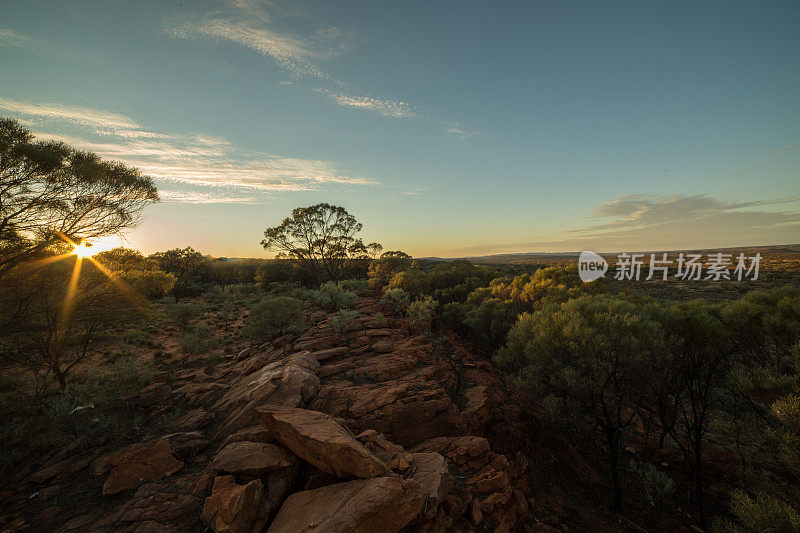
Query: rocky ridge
(381, 429)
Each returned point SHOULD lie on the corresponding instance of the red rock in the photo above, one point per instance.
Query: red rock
(158, 507)
(320, 440)
(382, 347)
(251, 434)
(233, 508)
(430, 471)
(138, 463)
(251, 458)
(60, 470)
(152, 395)
(381, 504)
(191, 421)
(330, 353)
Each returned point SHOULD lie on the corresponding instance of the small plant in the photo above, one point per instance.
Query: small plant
(137, 337)
(380, 320)
(273, 317)
(397, 298)
(422, 311)
(182, 313)
(359, 286)
(332, 297)
(342, 321)
(198, 340)
(651, 483)
(763, 512)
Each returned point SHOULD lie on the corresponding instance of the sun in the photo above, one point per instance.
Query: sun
(83, 250)
(89, 248)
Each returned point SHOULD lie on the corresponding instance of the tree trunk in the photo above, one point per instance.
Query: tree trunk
(613, 445)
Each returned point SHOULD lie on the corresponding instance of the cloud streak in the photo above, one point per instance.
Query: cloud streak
(251, 24)
(675, 222)
(191, 159)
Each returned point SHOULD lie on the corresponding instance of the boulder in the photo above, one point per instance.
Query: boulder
(191, 421)
(320, 440)
(384, 504)
(140, 462)
(233, 508)
(251, 458)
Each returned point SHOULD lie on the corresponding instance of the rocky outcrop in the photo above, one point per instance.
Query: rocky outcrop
(385, 504)
(321, 441)
(386, 432)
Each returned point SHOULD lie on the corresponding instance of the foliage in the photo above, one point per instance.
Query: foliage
(652, 484)
(763, 512)
(140, 273)
(382, 270)
(186, 264)
(50, 191)
(342, 321)
(182, 313)
(273, 317)
(333, 296)
(320, 238)
(52, 314)
(199, 339)
(397, 298)
(593, 352)
(421, 312)
(137, 337)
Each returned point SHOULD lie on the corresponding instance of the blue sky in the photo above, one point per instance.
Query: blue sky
(447, 128)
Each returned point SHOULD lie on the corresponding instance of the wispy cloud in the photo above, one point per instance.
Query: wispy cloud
(457, 129)
(784, 148)
(252, 24)
(11, 38)
(196, 197)
(191, 159)
(75, 114)
(675, 222)
(383, 106)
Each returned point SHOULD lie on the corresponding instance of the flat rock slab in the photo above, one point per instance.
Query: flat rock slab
(321, 441)
(140, 462)
(251, 458)
(381, 504)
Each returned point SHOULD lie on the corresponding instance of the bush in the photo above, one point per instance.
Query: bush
(182, 313)
(359, 286)
(380, 320)
(151, 283)
(273, 317)
(342, 320)
(650, 482)
(764, 512)
(137, 337)
(198, 340)
(422, 311)
(332, 297)
(397, 298)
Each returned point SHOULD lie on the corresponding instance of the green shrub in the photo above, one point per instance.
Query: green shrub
(199, 339)
(150, 283)
(137, 337)
(182, 313)
(332, 297)
(422, 311)
(341, 321)
(397, 298)
(652, 484)
(359, 286)
(380, 320)
(273, 317)
(764, 512)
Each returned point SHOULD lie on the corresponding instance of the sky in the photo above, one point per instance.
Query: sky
(447, 128)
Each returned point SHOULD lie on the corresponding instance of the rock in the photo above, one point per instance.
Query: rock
(158, 507)
(320, 440)
(185, 445)
(382, 504)
(139, 462)
(191, 421)
(251, 458)
(330, 353)
(252, 434)
(233, 508)
(152, 395)
(292, 381)
(60, 470)
(382, 347)
(430, 471)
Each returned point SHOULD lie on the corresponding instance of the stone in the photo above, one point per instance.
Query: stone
(251, 458)
(140, 462)
(383, 504)
(321, 441)
(233, 508)
(191, 421)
